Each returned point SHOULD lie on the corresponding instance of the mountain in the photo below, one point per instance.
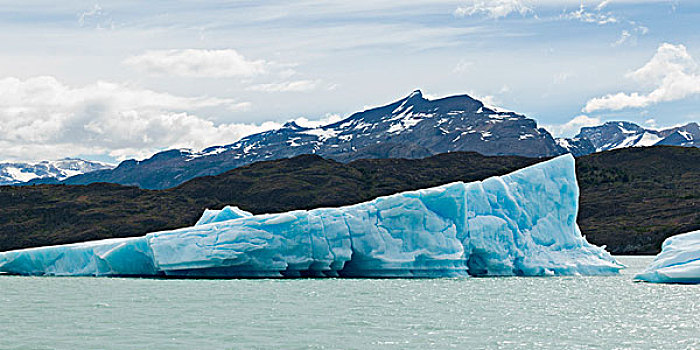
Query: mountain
(576, 146)
(631, 199)
(413, 127)
(19, 172)
(619, 134)
(687, 136)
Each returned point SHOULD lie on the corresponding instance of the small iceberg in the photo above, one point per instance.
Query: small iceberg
(678, 262)
(520, 224)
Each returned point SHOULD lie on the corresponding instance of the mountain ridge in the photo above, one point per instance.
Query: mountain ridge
(621, 134)
(49, 170)
(412, 127)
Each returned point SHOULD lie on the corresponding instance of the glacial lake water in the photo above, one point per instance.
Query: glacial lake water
(475, 313)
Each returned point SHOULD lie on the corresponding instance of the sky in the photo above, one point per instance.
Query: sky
(125, 79)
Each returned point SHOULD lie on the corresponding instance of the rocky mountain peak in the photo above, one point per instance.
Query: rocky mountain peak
(292, 125)
(621, 134)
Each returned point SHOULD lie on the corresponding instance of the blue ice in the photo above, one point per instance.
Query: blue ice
(520, 224)
(678, 262)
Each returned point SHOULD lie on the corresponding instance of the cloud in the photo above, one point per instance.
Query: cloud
(630, 36)
(597, 16)
(327, 119)
(672, 74)
(198, 63)
(624, 37)
(573, 126)
(488, 100)
(586, 16)
(43, 118)
(494, 8)
(286, 86)
(227, 63)
(95, 17)
(603, 4)
(462, 66)
(562, 77)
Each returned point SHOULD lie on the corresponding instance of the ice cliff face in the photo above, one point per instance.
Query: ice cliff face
(523, 223)
(678, 262)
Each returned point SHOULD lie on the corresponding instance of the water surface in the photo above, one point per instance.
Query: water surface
(492, 313)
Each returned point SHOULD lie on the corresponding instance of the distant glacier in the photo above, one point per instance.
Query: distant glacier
(520, 224)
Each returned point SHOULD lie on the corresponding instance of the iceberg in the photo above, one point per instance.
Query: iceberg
(678, 262)
(519, 224)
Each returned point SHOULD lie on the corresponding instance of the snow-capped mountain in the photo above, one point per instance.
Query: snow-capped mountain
(619, 134)
(687, 135)
(19, 172)
(412, 127)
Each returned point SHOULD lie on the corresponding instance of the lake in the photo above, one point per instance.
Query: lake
(610, 312)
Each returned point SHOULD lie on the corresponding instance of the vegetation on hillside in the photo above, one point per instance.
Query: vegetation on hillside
(634, 198)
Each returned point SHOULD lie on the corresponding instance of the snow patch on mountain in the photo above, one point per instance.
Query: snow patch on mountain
(19, 172)
(322, 134)
(647, 139)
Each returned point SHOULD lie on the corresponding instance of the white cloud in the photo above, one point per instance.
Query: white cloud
(603, 4)
(562, 77)
(650, 123)
(43, 118)
(95, 17)
(223, 64)
(494, 8)
(327, 119)
(586, 16)
(462, 66)
(198, 63)
(488, 100)
(624, 37)
(642, 30)
(630, 36)
(573, 126)
(597, 16)
(672, 73)
(286, 86)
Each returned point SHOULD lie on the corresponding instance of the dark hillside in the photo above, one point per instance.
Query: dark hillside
(631, 199)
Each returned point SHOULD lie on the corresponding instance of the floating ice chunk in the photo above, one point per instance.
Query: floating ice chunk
(523, 223)
(678, 262)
